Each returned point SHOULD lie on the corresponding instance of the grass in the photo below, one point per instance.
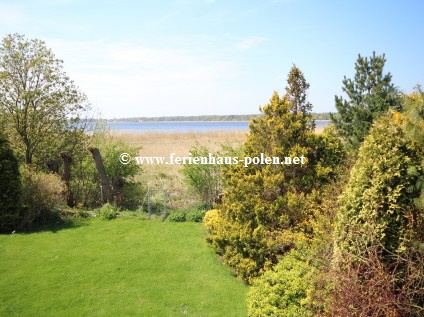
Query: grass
(122, 267)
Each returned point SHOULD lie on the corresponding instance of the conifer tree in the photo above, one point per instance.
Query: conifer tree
(369, 95)
(263, 203)
(297, 92)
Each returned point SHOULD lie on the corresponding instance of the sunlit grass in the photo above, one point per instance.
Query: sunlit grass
(123, 267)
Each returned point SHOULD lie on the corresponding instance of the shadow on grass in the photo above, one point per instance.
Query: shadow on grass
(54, 225)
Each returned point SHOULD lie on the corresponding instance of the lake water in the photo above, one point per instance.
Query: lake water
(186, 126)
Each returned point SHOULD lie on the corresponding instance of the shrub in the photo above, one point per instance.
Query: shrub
(204, 179)
(195, 215)
(10, 188)
(377, 205)
(108, 212)
(210, 219)
(176, 216)
(133, 194)
(282, 291)
(85, 182)
(379, 229)
(43, 195)
(376, 288)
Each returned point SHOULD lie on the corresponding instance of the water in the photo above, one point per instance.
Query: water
(180, 126)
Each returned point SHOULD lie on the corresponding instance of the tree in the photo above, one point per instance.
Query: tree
(369, 94)
(10, 188)
(38, 100)
(263, 203)
(296, 92)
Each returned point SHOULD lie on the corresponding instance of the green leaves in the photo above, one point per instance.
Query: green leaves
(37, 98)
(369, 94)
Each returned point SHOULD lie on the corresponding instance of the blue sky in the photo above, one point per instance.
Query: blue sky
(193, 57)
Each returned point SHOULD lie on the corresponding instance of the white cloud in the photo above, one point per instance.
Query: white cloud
(131, 79)
(250, 42)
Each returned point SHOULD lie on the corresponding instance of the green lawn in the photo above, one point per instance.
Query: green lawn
(123, 267)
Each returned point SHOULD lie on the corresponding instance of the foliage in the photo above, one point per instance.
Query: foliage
(108, 212)
(379, 231)
(85, 182)
(43, 195)
(210, 219)
(296, 92)
(41, 105)
(263, 205)
(413, 127)
(176, 216)
(10, 188)
(370, 94)
(195, 215)
(206, 179)
(376, 206)
(282, 291)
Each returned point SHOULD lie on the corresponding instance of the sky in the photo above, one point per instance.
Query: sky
(197, 57)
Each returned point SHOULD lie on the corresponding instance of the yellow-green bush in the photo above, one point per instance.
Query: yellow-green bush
(43, 195)
(377, 205)
(210, 220)
(282, 291)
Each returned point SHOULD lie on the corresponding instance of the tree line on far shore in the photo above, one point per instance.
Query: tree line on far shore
(235, 117)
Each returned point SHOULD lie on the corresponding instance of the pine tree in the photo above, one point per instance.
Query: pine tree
(369, 94)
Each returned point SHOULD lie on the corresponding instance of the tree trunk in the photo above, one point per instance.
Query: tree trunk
(103, 177)
(66, 176)
(117, 184)
(28, 156)
(52, 165)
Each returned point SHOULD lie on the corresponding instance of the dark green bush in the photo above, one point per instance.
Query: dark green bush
(195, 215)
(108, 212)
(177, 216)
(10, 188)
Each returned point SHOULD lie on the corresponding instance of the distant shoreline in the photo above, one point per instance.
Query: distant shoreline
(173, 121)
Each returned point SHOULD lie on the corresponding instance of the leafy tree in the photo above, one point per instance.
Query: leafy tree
(40, 103)
(10, 188)
(369, 94)
(263, 203)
